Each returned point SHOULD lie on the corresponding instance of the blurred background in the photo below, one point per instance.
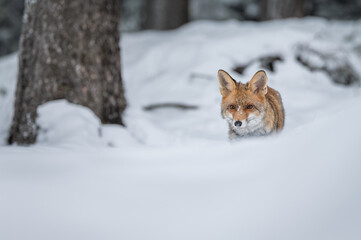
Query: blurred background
(170, 53)
(139, 15)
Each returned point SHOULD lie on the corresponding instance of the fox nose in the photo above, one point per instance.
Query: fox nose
(238, 123)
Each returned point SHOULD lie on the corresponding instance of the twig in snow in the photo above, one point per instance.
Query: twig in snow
(181, 106)
(202, 76)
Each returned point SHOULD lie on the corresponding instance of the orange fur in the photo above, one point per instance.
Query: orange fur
(258, 107)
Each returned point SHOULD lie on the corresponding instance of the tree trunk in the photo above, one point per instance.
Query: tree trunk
(69, 50)
(278, 9)
(165, 14)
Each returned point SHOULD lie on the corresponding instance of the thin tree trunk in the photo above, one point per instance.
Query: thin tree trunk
(278, 9)
(69, 50)
(165, 14)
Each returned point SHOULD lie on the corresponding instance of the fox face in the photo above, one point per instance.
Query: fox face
(246, 107)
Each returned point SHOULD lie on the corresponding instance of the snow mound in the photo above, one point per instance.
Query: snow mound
(65, 124)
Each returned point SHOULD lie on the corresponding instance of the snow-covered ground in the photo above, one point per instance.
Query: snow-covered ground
(172, 174)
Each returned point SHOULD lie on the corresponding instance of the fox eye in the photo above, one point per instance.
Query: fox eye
(232, 107)
(250, 106)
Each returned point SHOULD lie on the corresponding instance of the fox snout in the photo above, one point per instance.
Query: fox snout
(237, 123)
(236, 117)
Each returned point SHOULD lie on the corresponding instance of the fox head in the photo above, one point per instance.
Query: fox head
(243, 105)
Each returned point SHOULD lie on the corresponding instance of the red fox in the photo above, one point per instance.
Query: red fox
(251, 109)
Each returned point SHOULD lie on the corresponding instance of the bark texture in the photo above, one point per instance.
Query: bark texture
(69, 50)
(278, 9)
(165, 14)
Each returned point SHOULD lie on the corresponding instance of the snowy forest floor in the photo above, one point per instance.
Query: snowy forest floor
(173, 174)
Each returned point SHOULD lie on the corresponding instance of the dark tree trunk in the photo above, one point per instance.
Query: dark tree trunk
(278, 9)
(165, 14)
(69, 50)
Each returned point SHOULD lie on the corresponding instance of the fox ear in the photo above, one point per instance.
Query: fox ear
(258, 83)
(226, 83)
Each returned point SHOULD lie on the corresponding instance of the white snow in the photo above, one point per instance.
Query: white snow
(8, 71)
(173, 174)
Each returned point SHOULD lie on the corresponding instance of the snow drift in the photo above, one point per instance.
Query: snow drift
(172, 174)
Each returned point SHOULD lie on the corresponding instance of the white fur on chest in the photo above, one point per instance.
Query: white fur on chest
(254, 126)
